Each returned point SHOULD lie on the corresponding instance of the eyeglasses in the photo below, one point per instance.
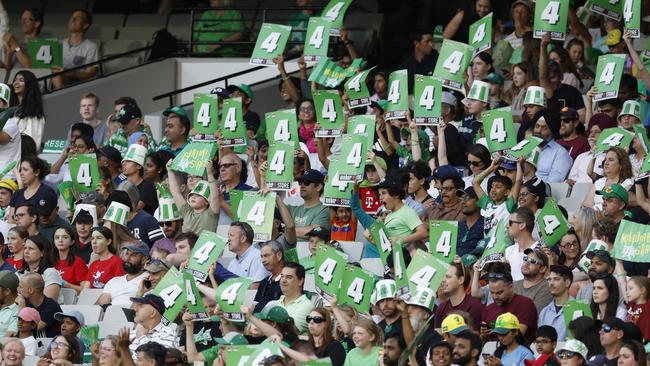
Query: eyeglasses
(607, 328)
(304, 183)
(226, 165)
(168, 223)
(530, 260)
(315, 319)
(473, 163)
(573, 244)
(526, 194)
(511, 222)
(447, 189)
(493, 276)
(566, 354)
(59, 345)
(565, 121)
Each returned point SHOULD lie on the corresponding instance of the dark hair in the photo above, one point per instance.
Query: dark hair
(461, 271)
(577, 42)
(300, 101)
(561, 257)
(420, 170)
(527, 216)
(327, 335)
(245, 229)
(300, 270)
(606, 228)
(39, 164)
(487, 58)
(637, 350)
(519, 338)
(120, 197)
(84, 128)
(108, 234)
(482, 153)
(416, 36)
(38, 17)
(46, 248)
(88, 140)
(474, 340)
(31, 211)
(628, 81)
(566, 65)
(160, 159)
(456, 180)
(564, 271)
(613, 101)
(584, 329)
(153, 351)
(32, 102)
(189, 236)
(74, 248)
(124, 100)
(499, 179)
(398, 338)
(612, 299)
(27, 147)
(74, 351)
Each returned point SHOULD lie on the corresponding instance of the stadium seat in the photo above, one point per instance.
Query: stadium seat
(310, 283)
(37, 72)
(91, 313)
(69, 296)
(89, 296)
(302, 247)
(114, 313)
(225, 261)
(137, 33)
(353, 249)
(146, 20)
(581, 190)
(112, 327)
(373, 265)
(559, 190)
(488, 347)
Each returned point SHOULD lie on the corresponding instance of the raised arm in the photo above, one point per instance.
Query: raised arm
(215, 196)
(543, 65)
(341, 318)
(174, 189)
(516, 185)
(287, 219)
(193, 355)
(478, 178)
(391, 137)
(349, 45)
(642, 73)
(291, 87)
(442, 144)
(453, 25)
(379, 123)
(263, 327)
(578, 28)
(415, 138)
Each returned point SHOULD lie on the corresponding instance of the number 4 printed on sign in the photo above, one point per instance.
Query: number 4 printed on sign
(230, 294)
(453, 62)
(607, 75)
(551, 12)
(170, 294)
(393, 93)
(551, 223)
(326, 270)
(270, 43)
(256, 214)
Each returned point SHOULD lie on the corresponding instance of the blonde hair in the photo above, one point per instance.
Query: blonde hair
(371, 327)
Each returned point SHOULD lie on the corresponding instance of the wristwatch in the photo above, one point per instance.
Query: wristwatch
(17, 49)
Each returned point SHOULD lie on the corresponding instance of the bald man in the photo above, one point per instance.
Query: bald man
(30, 294)
(233, 175)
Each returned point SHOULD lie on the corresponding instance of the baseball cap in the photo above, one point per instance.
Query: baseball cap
(469, 191)
(312, 176)
(539, 254)
(505, 323)
(73, 314)
(468, 259)
(445, 171)
(242, 88)
(319, 232)
(381, 104)
(128, 112)
(613, 37)
(156, 265)
(574, 345)
(9, 184)
(149, 299)
(222, 92)
(380, 161)
(29, 315)
(569, 114)
(522, 2)
(508, 165)
(449, 98)
(180, 112)
(274, 313)
(494, 78)
(9, 280)
(389, 183)
(614, 322)
(453, 324)
(614, 191)
(137, 247)
(110, 153)
(46, 201)
(602, 255)
(232, 339)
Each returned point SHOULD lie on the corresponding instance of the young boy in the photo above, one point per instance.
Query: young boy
(630, 115)
(7, 189)
(28, 319)
(502, 197)
(477, 102)
(201, 210)
(375, 171)
(343, 224)
(545, 341)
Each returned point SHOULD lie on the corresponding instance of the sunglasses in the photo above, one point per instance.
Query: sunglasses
(168, 223)
(607, 328)
(566, 354)
(315, 319)
(473, 163)
(304, 183)
(530, 260)
(158, 261)
(492, 276)
(511, 222)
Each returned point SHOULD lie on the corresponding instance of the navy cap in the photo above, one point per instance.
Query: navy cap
(312, 176)
(137, 247)
(110, 153)
(222, 92)
(128, 112)
(149, 299)
(445, 171)
(569, 114)
(46, 201)
(319, 232)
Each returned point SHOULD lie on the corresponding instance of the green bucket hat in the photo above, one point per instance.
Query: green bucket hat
(632, 108)
(535, 95)
(117, 213)
(5, 92)
(385, 289)
(202, 189)
(136, 153)
(480, 91)
(424, 297)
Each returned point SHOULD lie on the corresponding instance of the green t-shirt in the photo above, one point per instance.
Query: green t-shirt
(196, 222)
(214, 27)
(492, 212)
(317, 215)
(355, 357)
(402, 222)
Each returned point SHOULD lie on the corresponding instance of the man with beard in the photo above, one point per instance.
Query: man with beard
(395, 312)
(467, 348)
(451, 207)
(602, 264)
(533, 285)
(119, 290)
(453, 287)
(470, 230)
(574, 143)
(554, 160)
(559, 282)
(393, 347)
(156, 269)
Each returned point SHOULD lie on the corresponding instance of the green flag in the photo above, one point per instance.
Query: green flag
(632, 242)
(454, 59)
(399, 267)
(279, 172)
(614, 137)
(233, 129)
(329, 113)
(608, 76)
(442, 239)
(382, 241)
(551, 16)
(398, 94)
(552, 223)
(67, 192)
(642, 135)
(329, 267)
(609, 8)
(632, 17)
(335, 12)
(353, 157)
(54, 146)
(270, 43)
(327, 73)
(356, 288)
(499, 129)
(84, 172)
(357, 90)
(427, 104)
(192, 158)
(172, 290)
(425, 271)
(230, 297)
(282, 125)
(206, 113)
(645, 167)
(317, 39)
(207, 250)
(194, 302)
(574, 309)
(523, 148)
(480, 34)
(45, 53)
(264, 350)
(258, 213)
(337, 192)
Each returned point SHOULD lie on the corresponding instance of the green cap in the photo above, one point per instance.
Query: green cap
(274, 313)
(242, 87)
(381, 104)
(385, 289)
(380, 161)
(468, 260)
(480, 91)
(614, 191)
(232, 339)
(177, 110)
(505, 323)
(495, 78)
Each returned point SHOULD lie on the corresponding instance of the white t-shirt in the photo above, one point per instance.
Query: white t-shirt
(11, 150)
(122, 290)
(30, 345)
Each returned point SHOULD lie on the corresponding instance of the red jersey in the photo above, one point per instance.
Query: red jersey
(639, 314)
(369, 200)
(74, 273)
(343, 231)
(17, 264)
(100, 272)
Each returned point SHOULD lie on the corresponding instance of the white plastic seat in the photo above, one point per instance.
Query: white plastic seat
(30, 360)
(112, 327)
(114, 313)
(373, 265)
(310, 283)
(559, 191)
(302, 247)
(488, 348)
(250, 296)
(353, 249)
(42, 344)
(91, 313)
(581, 190)
(89, 296)
(69, 296)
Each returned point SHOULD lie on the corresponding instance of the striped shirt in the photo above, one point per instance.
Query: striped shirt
(161, 334)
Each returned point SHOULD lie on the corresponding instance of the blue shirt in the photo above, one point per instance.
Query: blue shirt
(468, 238)
(249, 265)
(516, 357)
(549, 315)
(554, 163)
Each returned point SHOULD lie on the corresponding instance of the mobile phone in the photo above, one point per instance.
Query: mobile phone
(147, 283)
(484, 324)
(486, 356)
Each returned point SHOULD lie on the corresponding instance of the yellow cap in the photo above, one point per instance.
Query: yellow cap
(613, 37)
(453, 324)
(505, 323)
(9, 184)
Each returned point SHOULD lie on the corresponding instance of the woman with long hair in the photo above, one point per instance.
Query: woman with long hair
(605, 299)
(31, 118)
(576, 50)
(583, 222)
(570, 75)
(16, 243)
(155, 166)
(64, 351)
(617, 169)
(32, 172)
(478, 159)
(368, 339)
(632, 353)
(380, 86)
(107, 263)
(70, 266)
(569, 249)
(306, 112)
(418, 185)
(320, 336)
(121, 235)
(37, 258)
(584, 329)
(522, 78)
(481, 65)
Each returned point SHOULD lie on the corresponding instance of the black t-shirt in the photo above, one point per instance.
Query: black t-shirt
(566, 96)
(394, 328)
(413, 67)
(46, 310)
(455, 146)
(335, 352)
(423, 347)
(268, 290)
(252, 120)
(37, 200)
(148, 196)
(392, 161)
(144, 227)
(204, 334)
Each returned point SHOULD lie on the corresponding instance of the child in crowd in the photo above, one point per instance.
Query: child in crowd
(343, 224)
(28, 319)
(638, 307)
(545, 341)
(201, 210)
